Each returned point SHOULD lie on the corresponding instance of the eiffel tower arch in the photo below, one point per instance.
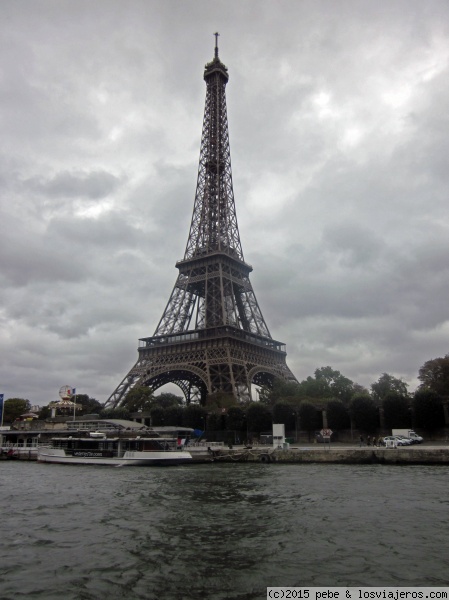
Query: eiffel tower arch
(212, 336)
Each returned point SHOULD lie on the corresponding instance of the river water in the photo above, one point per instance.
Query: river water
(218, 532)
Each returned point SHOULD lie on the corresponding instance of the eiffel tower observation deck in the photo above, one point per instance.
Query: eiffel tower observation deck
(212, 336)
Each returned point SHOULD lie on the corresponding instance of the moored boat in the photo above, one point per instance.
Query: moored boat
(99, 448)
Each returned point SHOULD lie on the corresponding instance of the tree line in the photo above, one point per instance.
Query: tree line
(387, 404)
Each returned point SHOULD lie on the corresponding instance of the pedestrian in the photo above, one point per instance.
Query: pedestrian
(374, 441)
(361, 441)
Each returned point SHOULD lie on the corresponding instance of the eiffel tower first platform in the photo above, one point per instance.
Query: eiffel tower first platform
(212, 336)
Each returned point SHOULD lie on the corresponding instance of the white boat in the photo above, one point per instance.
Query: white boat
(98, 448)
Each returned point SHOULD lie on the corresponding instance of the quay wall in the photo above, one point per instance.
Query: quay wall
(414, 455)
(386, 456)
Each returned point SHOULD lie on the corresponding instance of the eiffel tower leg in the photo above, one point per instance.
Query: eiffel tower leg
(125, 386)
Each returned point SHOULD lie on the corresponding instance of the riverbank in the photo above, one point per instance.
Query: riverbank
(437, 454)
(334, 454)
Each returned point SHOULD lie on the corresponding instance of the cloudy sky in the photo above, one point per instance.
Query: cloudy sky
(339, 130)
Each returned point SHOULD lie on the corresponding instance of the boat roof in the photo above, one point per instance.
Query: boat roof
(115, 423)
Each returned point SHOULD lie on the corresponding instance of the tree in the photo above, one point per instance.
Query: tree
(174, 415)
(258, 418)
(387, 384)
(121, 412)
(216, 421)
(89, 405)
(337, 415)
(327, 383)
(364, 413)
(45, 412)
(195, 416)
(428, 409)
(313, 388)
(220, 400)
(282, 391)
(338, 385)
(309, 418)
(235, 419)
(139, 399)
(434, 375)
(13, 408)
(157, 414)
(166, 400)
(396, 410)
(284, 413)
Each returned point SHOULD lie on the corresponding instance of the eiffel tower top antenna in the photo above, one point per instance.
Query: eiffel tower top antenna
(216, 34)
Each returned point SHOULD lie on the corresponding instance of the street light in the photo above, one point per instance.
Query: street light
(295, 414)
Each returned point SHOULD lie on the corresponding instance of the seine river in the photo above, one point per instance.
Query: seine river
(218, 531)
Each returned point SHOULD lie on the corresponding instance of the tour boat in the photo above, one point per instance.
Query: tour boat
(98, 448)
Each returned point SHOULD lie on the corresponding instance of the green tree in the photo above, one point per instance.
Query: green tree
(157, 414)
(388, 384)
(258, 418)
(45, 412)
(174, 415)
(364, 413)
(166, 400)
(216, 421)
(89, 405)
(327, 383)
(284, 413)
(282, 391)
(313, 388)
(337, 415)
(396, 410)
(121, 412)
(309, 417)
(428, 409)
(434, 375)
(139, 399)
(217, 401)
(337, 385)
(235, 419)
(14, 407)
(195, 416)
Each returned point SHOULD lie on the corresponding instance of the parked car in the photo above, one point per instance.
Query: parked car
(403, 441)
(396, 441)
(390, 440)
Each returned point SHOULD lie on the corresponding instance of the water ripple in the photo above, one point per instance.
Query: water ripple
(218, 531)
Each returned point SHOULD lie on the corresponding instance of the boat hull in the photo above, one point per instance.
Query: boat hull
(59, 456)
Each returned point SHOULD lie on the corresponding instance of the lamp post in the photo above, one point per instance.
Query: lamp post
(295, 414)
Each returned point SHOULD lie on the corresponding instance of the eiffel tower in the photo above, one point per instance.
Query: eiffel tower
(212, 336)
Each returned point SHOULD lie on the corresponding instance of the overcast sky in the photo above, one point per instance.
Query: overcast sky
(339, 129)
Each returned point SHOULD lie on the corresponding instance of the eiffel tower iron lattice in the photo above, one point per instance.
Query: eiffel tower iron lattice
(212, 336)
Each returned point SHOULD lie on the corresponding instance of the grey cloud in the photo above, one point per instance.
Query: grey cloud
(93, 185)
(347, 238)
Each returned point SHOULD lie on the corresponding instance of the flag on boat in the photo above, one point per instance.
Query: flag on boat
(73, 391)
(198, 433)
